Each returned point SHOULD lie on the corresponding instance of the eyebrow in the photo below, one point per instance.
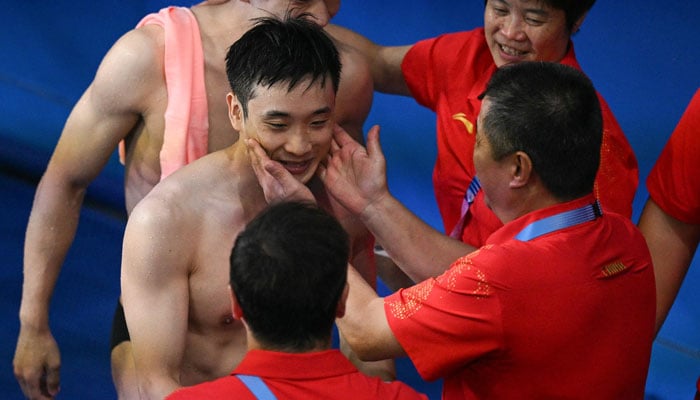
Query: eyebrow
(278, 114)
(532, 10)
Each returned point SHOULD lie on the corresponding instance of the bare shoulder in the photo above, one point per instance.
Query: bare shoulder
(132, 69)
(182, 197)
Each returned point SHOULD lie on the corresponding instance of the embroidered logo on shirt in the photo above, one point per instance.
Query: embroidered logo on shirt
(461, 117)
(412, 299)
(613, 269)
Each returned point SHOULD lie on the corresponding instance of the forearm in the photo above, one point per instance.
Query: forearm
(418, 249)
(385, 61)
(364, 325)
(672, 245)
(50, 232)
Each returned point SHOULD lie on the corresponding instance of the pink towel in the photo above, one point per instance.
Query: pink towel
(186, 118)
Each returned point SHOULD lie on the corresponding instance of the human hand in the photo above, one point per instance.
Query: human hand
(276, 182)
(37, 364)
(355, 176)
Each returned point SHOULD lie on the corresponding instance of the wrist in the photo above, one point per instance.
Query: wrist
(34, 318)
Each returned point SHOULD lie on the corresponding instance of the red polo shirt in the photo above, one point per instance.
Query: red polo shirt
(318, 375)
(567, 314)
(674, 181)
(447, 74)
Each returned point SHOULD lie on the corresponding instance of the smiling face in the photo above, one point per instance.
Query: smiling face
(525, 30)
(294, 127)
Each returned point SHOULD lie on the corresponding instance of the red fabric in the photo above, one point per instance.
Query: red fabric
(319, 375)
(674, 181)
(447, 74)
(568, 314)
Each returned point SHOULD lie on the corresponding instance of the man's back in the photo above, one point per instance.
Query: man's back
(312, 375)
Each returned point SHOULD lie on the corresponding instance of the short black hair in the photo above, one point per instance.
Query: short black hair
(288, 50)
(551, 112)
(288, 271)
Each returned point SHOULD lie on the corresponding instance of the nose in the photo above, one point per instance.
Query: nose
(512, 27)
(298, 143)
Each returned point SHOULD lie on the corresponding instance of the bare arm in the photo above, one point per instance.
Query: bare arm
(106, 113)
(385, 61)
(364, 325)
(672, 244)
(155, 294)
(356, 177)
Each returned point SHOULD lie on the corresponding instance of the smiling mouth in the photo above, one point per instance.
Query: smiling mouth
(511, 51)
(296, 168)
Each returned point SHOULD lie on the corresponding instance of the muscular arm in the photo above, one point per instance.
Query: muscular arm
(672, 244)
(106, 113)
(155, 294)
(385, 61)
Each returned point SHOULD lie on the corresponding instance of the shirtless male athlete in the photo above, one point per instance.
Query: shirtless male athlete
(283, 76)
(129, 100)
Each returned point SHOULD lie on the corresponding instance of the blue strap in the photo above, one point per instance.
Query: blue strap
(560, 221)
(469, 196)
(472, 190)
(257, 387)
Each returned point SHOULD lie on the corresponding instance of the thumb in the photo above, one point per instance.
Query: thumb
(276, 170)
(374, 148)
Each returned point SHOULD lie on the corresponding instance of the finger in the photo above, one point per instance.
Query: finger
(321, 172)
(277, 170)
(31, 387)
(341, 136)
(53, 380)
(255, 161)
(374, 148)
(255, 148)
(335, 147)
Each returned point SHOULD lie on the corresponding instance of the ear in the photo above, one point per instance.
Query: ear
(340, 310)
(236, 309)
(235, 111)
(521, 170)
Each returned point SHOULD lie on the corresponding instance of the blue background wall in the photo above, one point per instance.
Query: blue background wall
(643, 57)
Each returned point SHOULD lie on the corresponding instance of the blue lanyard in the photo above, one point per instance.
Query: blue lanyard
(469, 196)
(562, 220)
(257, 387)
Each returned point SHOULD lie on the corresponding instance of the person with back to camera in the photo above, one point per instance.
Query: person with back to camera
(287, 285)
(545, 308)
(159, 92)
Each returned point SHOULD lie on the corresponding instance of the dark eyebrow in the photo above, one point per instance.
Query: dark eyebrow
(275, 114)
(539, 11)
(323, 110)
(282, 114)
